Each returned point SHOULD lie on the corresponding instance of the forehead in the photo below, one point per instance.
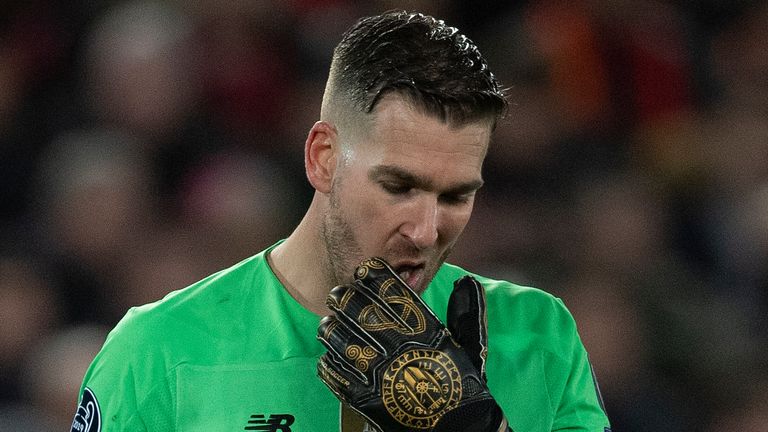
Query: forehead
(404, 136)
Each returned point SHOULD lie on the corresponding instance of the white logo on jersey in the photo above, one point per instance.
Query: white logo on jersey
(88, 416)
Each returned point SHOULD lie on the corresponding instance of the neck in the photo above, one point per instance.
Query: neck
(300, 263)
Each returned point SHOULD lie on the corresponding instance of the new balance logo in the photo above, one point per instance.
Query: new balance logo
(275, 423)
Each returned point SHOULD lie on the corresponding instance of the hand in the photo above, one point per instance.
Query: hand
(395, 363)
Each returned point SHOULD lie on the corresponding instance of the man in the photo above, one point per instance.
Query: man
(395, 161)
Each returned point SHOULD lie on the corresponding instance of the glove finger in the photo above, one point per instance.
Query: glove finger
(466, 320)
(381, 282)
(361, 309)
(353, 352)
(377, 274)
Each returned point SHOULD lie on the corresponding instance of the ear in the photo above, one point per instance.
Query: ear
(320, 155)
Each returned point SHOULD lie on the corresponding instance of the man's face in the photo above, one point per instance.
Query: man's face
(405, 194)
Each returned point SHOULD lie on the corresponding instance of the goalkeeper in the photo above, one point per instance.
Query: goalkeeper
(409, 342)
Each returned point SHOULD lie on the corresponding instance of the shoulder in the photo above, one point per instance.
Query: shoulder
(513, 300)
(515, 309)
(534, 348)
(219, 288)
(133, 375)
(167, 328)
(501, 293)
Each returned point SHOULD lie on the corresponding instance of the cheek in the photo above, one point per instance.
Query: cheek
(368, 213)
(454, 222)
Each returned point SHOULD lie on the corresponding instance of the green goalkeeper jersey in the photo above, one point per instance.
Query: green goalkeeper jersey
(236, 352)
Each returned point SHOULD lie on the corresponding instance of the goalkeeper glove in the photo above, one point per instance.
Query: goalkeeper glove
(392, 360)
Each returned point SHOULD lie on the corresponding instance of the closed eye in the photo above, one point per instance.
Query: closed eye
(395, 188)
(397, 182)
(455, 199)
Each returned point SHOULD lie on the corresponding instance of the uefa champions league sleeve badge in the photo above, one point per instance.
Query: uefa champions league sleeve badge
(88, 416)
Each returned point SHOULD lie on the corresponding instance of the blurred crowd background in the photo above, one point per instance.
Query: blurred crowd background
(144, 145)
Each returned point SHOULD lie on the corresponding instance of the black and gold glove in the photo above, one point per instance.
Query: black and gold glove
(392, 360)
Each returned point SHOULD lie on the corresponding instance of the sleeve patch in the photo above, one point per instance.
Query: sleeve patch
(88, 416)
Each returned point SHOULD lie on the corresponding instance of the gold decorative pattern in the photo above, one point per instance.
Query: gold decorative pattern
(372, 318)
(361, 356)
(420, 386)
(366, 265)
(345, 298)
(329, 329)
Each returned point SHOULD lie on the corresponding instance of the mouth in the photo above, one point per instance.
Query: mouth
(411, 274)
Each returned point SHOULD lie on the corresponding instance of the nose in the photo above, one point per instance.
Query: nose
(421, 223)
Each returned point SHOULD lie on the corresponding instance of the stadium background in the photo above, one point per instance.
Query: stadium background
(145, 145)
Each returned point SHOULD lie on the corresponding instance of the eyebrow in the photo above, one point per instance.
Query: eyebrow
(380, 171)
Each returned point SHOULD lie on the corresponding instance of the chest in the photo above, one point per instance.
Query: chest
(281, 396)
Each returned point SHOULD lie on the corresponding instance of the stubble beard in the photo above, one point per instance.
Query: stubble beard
(341, 247)
(343, 251)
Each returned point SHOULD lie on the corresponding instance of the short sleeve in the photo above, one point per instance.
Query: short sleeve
(580, 405)
(126, 387)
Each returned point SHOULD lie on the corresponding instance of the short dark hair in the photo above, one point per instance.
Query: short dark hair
(432, 65)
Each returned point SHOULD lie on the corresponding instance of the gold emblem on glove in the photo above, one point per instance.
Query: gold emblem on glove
(361, 356)
(420, 386)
